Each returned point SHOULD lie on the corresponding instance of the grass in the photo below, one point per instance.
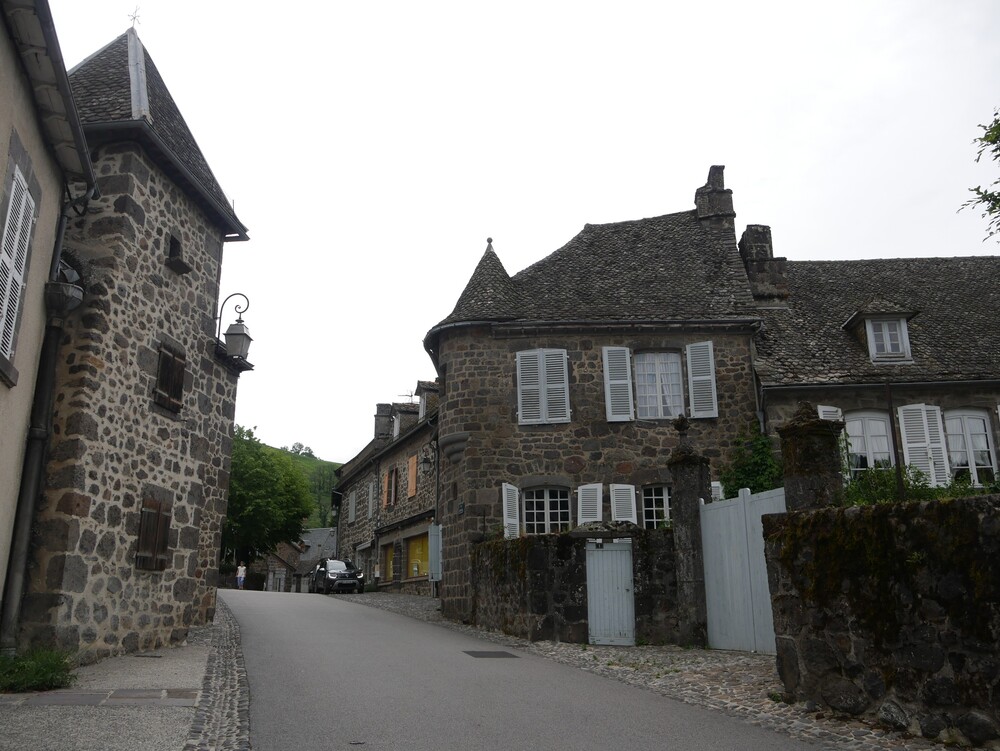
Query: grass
(37, 670)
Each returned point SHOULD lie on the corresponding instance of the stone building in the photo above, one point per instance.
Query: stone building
(902, 349)
(559, 384)
(124, 553)
(388, 493)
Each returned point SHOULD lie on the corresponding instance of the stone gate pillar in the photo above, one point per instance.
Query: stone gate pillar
(811, 451)
(691, 483)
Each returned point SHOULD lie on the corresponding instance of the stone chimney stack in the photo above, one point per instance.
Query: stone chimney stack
(713, 200)
(767, 274)
(383, 421)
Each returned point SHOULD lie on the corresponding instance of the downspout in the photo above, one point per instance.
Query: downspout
(60, 300)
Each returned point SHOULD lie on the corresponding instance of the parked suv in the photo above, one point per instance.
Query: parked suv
(334, 575)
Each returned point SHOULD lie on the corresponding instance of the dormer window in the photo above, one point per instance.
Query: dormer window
(888, 340)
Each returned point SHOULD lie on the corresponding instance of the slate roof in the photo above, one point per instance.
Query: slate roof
(102, 87)
(954, 334)
(668, 268)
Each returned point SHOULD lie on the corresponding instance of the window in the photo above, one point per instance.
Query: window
(869, 441)
(169, 380)
(970, 446)
(658, 385)
(659, 392)
(542, 386)
(389, 558)
(887, 339)
(14, 259)
(655, 507)
(546, 510)
(154, 532)
(175, 256)
(416, 556)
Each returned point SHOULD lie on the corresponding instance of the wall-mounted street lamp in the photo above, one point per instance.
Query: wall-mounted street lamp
(237, 335)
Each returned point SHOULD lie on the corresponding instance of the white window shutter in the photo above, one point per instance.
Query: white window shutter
(916, 442)
(701, 380)
(717, 493)
(556, 385)
(829, 413)
(13, 258)
(511, 511)
(529, 387)
(618, 384)
(434, 552)
(588, 503)
(623, 503)
(940, 472)
(351, 509)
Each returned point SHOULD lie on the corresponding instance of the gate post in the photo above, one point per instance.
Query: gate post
(810, 449)
(691, 483)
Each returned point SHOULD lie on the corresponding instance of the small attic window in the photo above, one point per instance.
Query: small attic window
(888, 340)
(175, 257)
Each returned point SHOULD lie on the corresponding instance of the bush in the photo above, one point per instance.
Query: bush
(752, 465)
(871, 486)
(37, 670)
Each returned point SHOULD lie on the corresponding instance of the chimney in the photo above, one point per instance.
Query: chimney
(383, 421)
(713, 200)
(768, 280)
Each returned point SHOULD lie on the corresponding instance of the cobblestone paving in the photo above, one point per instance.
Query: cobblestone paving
(737, 683)
(222, 720)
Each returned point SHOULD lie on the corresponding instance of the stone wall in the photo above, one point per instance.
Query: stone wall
(892, 612)
(536, 587)
(112, 446)
(486, 446)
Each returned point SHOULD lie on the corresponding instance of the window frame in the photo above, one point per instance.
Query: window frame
(866, 417)
(649, 506)
(550, 507)
(972, 467)
(882, 322)
(678, 398)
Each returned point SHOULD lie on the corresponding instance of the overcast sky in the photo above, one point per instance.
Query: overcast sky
(371, 148)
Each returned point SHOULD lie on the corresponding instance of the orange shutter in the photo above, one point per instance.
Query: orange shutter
(411, 480)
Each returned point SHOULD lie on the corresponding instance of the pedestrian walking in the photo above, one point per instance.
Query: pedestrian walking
(241, 575)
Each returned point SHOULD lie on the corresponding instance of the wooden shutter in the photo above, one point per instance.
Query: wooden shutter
(511, 511)
(923, 441)
(163, 536)
(618, 400)
(152, 547)
(623, 503)
(701, 380)
(829, 413)
(352, 506)
(14, 258)
(588, 503)
(529, 387)
(411, 476)
(556, 385)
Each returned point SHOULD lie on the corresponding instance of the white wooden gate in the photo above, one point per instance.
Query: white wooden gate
(736, 592)
(610, 599)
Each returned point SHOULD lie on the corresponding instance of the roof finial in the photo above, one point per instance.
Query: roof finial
(489, 241)
(134, 16)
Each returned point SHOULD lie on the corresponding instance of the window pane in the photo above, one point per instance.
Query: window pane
(658, 384)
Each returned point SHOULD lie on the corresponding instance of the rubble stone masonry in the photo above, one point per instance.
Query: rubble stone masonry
(112, 445)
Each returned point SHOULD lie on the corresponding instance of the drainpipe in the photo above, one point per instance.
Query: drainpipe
(60, 299)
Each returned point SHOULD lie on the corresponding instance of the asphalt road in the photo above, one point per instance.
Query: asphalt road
(329, 674)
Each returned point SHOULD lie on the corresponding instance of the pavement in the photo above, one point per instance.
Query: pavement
(195, 696)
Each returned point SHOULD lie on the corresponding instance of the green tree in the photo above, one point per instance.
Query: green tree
(752, 464)
(989, 199)
(269, 499)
